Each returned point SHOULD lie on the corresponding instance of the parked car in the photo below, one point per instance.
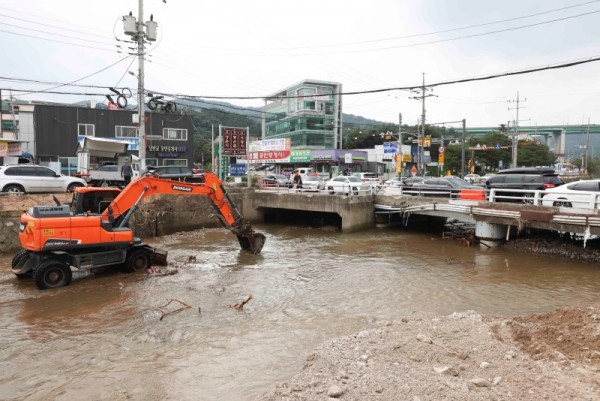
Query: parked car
(473, 178)
(277, 180)
(371, 178)
(177, 173)
(347, 184)
(442, 187)
(524, 179)
(30, 178)
(313, 182)
(584, 194)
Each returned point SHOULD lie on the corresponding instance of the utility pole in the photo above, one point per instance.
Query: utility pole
(515, 137)
(400, 142)
(421, 97)
(12, 111)
(135, 29)
(462, 150)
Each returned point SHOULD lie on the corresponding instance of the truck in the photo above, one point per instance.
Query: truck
(93, 231)
(113, 153)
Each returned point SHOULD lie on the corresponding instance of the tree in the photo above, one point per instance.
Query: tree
(530, 154)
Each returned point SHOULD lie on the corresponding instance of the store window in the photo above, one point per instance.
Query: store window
(68, 165)
(151, 162)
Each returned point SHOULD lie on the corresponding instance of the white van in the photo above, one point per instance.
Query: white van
(304, 171)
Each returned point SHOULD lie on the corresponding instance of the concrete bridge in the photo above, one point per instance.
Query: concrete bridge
(494, 222)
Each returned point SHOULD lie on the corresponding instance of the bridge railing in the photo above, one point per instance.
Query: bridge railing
(583, 200)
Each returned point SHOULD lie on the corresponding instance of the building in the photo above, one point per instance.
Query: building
(52, 133)
(309, 113)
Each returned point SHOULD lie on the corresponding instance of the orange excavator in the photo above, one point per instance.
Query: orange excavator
(94, 230)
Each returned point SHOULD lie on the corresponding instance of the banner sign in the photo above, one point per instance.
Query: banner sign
(275, 156)
(390, 147)
(270, 144)
(300, 156)
(234, 141)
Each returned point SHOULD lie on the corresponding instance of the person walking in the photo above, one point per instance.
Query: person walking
(297, 180)
(126, 172)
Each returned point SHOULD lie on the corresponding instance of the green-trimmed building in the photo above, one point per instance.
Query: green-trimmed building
(308, 112)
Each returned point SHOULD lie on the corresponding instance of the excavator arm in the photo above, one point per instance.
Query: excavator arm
(125, 204)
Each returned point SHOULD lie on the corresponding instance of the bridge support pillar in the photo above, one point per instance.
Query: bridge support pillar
(490, 234)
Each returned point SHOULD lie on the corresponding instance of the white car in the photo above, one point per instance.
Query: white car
(29, 178)
(348, 184)
(584, 194)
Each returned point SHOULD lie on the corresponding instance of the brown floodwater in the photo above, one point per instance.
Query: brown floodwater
(102, 337)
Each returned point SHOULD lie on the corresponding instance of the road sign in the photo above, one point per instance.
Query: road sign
(441, 149)
(497, 146)
(484, 147)
(441, 158)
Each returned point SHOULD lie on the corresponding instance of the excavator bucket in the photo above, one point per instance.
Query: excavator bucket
(250, 240)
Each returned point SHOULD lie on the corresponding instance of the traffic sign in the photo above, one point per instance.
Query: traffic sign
(484, 147)
(441, 149)
(497, 146)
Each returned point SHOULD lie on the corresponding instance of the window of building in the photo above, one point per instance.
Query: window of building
(85, 129)
(306, 99)
(152, 162)
(175, 134)
(122, 131)
(175, 162)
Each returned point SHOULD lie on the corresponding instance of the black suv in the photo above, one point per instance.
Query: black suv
(177, 173)
(524, 178)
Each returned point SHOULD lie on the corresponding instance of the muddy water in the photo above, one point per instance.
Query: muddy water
(101, 338)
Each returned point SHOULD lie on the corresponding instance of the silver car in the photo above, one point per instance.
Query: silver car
(312, 183)
(28, 178)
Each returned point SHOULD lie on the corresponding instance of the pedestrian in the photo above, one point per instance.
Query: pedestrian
(126, 172)
(297, 180)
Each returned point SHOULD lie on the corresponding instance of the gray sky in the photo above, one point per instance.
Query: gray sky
(239, 48)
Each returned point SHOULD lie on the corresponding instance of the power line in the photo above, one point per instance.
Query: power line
(449, 30)
(52, 26)
(56, 41)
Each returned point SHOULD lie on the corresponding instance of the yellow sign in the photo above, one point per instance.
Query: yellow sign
(441, 158)
(48, 232)
(427, 141)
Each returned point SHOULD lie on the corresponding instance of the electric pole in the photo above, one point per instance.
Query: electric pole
(135, 29)
(515, 136)
(421, 141)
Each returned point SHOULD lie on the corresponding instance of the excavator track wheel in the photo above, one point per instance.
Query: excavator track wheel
(137, 260)
(52, 274)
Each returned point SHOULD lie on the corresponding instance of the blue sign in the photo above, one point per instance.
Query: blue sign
(237, 170)
(390, 147)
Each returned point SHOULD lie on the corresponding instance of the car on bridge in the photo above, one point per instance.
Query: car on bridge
(582, 194)
(276, 180)
(312, 182)
(348, 184)
(526, 180)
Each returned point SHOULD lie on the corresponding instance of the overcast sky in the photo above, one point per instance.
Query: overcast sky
(241, 48)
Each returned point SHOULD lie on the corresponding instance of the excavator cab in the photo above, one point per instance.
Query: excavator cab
(92, 200)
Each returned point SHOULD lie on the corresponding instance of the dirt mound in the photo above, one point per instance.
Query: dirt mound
(563, 335)
(464, 356)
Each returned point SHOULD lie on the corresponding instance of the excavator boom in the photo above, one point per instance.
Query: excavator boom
(124, 205)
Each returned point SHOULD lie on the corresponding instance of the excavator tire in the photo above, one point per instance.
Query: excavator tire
(16, 260)
(137, 260)
(52, 273)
